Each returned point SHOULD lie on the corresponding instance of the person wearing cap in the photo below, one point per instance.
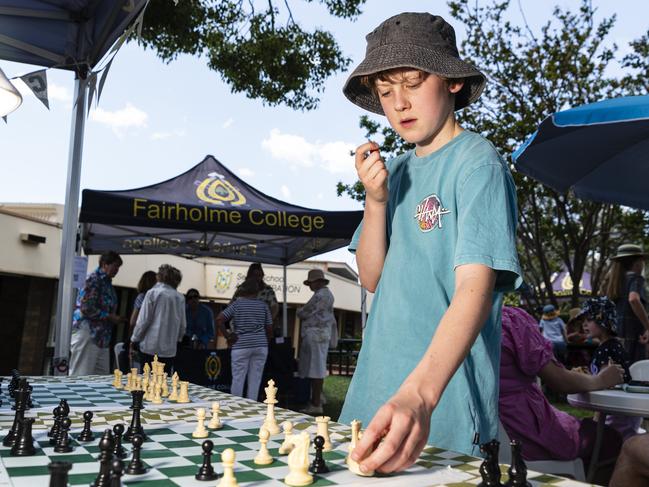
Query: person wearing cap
(625, 286)
(200, 320)
(601, 323)
(554, 329)
(318, 319)
(437, 245)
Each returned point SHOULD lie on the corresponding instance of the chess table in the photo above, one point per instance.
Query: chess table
(174, 456)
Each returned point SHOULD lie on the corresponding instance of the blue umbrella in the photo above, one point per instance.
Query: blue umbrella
(599, 150)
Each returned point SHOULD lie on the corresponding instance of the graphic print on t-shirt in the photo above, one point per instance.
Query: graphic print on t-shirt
(429, 213)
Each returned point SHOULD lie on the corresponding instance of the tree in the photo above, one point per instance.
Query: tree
(532, 75)
(257, 47)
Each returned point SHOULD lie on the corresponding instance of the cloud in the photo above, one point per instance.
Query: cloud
(166, 135)
(286, 193)
(296, 150)
(58, 93)
(244, 172)
(120, 120)
(227, 123)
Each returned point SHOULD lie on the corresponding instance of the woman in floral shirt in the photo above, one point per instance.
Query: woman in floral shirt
(94, 318)
(318, 319)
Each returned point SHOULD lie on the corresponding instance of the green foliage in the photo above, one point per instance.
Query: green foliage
(262, 52)
(532, 75)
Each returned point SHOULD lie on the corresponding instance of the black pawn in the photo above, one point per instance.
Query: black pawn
(86, 433)
(105, 459)
(517, 472)
(63, 441)
(118, 449)
(206, 471)
(318, 465)
(116, 473)
(59, 473)
(135, 466)
(24, 444)
(57, 422)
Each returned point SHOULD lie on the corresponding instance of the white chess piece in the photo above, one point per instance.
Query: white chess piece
(200, 431)
(183, 397)
(165, 388)
(228, 479)
(286, 446)
(117, 381)
(353, 466)
(298, 461)
(322, 423)
(174, 388)
(215, 422)
(263, 457)
(270, 423)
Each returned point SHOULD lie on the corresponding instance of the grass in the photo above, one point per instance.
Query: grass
(335, 388)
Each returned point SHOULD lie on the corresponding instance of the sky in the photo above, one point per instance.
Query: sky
(156, 120)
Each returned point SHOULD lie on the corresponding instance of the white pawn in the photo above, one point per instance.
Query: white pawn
(215, 422)
(322, 423)
(263, 457)
(165, 388)
(286, 446)
(157, 398)
(174, 387)
(228, 479)
(200, 431)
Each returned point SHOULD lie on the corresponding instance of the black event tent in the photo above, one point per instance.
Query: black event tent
(208, 211)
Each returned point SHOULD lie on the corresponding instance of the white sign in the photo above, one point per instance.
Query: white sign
(79, 271)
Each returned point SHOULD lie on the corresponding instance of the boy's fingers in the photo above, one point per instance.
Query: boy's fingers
(362, 152)
(371, 435)
(388, 449)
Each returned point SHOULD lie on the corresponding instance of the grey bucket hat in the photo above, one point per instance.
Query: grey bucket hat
(413, 40)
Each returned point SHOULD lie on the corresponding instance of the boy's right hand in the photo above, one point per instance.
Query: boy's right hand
(372, 172)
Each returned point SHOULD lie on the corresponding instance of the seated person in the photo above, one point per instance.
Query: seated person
(200, 320)
(576, 335)
(545, 432)
(554, 329)
(601, 324)
(632, 467)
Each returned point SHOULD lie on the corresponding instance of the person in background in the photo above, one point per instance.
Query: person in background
(251, 330)
(545, 432)
(601, 324)
(265, 293)
(318, 319)
(200, 320)
(161, 323)
(554, 329)
(625, 286)
(94, 318)
(147, 281)
(576, 335)
(632, 467)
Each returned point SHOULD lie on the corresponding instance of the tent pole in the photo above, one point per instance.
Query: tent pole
(285, 307)
(64, 303)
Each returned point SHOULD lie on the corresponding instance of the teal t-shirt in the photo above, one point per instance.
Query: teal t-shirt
(452, 207)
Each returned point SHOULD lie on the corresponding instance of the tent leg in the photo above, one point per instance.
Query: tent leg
(285, 307)
(64, 299)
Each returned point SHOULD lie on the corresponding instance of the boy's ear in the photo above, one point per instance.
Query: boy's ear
(454, 86)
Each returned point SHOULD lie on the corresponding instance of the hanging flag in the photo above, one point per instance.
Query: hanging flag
(37, 82)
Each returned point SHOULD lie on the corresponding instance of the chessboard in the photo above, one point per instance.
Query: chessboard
(94, 394)
(174, 456)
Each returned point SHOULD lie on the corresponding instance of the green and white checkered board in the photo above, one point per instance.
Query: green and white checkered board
(91, 393)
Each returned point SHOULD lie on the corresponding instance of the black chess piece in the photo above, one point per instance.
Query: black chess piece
(1, 379)
(116, 472)
(136, 426)
(318, 465)
(13, 385)
(86, 433)
(517, 472)
(206, 471)
(490, 469)
(12, 435)
(65, 407)
(55, 413)
(136, 467)
(24, 444)
(64, 412)
(59, 473)
(118, 450)
(105, 459)
(63, 440)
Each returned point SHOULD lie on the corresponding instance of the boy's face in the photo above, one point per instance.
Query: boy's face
(417, 108)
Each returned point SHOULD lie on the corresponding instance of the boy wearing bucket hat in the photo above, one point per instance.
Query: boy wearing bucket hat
(437, 245)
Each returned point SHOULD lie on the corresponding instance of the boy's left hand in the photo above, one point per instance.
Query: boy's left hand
(403, 424)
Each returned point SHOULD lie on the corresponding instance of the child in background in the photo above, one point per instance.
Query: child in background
(436, 245)
(601, 324)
